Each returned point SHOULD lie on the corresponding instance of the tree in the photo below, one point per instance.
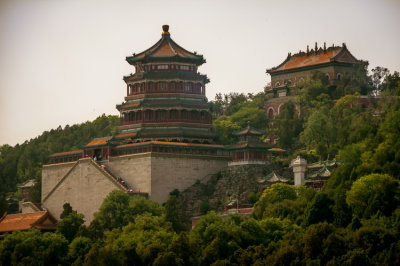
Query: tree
(70, 225)
(274, 194)
(174, 212)
(78, 249)
(67, 210)
(319, 210)
(114, 211)
(119, 209)
(318, 132)
(224, 128)
(374, 193)
(33, 248)
(289, 125)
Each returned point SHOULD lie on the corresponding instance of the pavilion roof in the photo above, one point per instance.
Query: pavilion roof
(66, 153)
(169, 143)
(254, 145)
(249, 131)
(276, 150)
(163, 75)
(98, 142)
(166, 48)
(314, 57)
(321, 173)
(25, 221)
(165, 103)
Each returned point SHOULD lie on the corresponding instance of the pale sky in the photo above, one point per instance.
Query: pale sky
(62, 62)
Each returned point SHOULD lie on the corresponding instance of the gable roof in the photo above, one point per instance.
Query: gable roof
(249, 131)
(26, 221)
(319, 56)
(165, 48)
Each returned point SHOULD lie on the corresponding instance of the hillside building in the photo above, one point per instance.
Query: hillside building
(164, 141)
(335, 62)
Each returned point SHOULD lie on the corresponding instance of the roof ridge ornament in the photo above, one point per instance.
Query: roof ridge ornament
(165, 30)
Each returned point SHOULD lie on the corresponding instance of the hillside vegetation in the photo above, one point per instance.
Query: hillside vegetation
(355, 220)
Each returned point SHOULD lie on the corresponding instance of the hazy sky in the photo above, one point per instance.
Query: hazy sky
(62, 62)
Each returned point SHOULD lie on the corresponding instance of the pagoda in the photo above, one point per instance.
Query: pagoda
(164, 141)
(249, 149)
(165, 97)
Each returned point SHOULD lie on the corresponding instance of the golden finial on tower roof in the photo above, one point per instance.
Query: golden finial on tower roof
(165, 29)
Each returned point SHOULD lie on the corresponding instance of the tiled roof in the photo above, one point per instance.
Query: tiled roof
(277, 149)
(165, 47)
(248, 131)
(165, 102)
(66, 153)
(98, 141)
(302, 59)
(124, 135)
(172, 144)
(26, 221)
(168, 74)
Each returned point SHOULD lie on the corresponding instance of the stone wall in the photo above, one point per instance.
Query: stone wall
(171, 172)
(84, 184)
(84, 187)
(134, 169)
(52, 174)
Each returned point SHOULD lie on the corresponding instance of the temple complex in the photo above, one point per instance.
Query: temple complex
(164, 141)
(336, 62)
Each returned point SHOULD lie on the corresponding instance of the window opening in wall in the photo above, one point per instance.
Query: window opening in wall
(187, 87)
(271, 113)
(162, 67)
(339, 76)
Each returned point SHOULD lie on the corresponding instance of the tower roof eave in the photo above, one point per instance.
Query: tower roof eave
(166, 49)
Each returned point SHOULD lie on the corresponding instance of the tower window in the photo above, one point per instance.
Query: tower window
(162, 67)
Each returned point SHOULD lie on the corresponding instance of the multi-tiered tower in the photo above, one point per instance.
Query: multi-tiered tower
(166, 96)
(164, 141)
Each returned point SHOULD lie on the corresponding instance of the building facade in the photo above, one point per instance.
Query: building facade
(336, 62)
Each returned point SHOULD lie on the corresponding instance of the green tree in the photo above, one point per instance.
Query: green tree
(70, 225)
(174, 212)
(289, 125)
(33, 248)
(67, 210)
(274, 194)
(318, 132)
(78, 249)
(374, 193)
(319, 210)
(119, 209)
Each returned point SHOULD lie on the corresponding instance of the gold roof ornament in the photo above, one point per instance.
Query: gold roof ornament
(165, 30)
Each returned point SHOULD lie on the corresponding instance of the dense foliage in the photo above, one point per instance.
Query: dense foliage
(235, 111)
(355, 220)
